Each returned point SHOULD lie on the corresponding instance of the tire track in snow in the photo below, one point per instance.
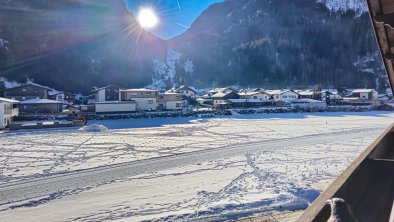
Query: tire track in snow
(40, 187)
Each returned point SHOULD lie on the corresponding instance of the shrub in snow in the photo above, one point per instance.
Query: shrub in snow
(94, 128)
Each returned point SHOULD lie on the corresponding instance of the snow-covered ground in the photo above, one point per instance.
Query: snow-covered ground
(189, 169)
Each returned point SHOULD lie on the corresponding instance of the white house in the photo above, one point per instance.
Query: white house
(7, 111)
(308, 103)
(107, 93)
(282, 95)
(146, 98)
(365, 94)
(187, 91)
(259, 95)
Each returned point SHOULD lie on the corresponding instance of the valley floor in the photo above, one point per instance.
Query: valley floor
(179, 169)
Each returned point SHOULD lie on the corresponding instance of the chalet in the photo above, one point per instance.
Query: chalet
(7, 111)
(187, 91)
(146, 98)
(26, 92)
(63, 97)
(258, 95)
(220, 99)
(171, 100)
(285, 96)
(40, 106)
(307, 103)
(305, 94)
(107, 93)
(365, 94)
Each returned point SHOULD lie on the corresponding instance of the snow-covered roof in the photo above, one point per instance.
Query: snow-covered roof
(138, 90)
(307, 101)
(221, 94)
(390, 104)
(185, 87)
(363, 90)
(278, 91)
(40, 101)
(247, 100)
(8, 100)
(116, 102)
(248, 93)
(304, 92)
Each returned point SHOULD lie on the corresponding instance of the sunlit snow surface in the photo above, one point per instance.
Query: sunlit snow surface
(280, 173)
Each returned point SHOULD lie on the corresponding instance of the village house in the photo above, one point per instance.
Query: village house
(171, 100)
(257, 95)
(361, 97)
(7, 111)
(187, 91)
(365, 94)
(305, 94)
(146, 98)
(26, 92)
(64, 97)
(220, 99)
(40, 106)
(282, 96)
(331, 96)
(107, 93)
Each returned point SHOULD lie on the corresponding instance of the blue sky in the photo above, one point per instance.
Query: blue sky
(174, 17)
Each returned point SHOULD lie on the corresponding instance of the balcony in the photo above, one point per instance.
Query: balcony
(12, 112)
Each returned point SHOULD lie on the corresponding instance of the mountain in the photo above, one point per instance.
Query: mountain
(282, 43)
(75, 45)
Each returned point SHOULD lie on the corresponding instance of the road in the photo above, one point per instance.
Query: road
(49, 185)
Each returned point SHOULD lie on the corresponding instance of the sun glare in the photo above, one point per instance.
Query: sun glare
(147, 18)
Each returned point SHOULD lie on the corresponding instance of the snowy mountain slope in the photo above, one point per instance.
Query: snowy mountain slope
(359, 6)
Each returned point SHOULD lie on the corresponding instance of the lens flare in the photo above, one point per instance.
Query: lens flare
(147, 18)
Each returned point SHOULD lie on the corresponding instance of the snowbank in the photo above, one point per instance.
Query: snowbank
(94, 129)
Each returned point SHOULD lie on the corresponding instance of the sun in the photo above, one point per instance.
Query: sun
(147, 18)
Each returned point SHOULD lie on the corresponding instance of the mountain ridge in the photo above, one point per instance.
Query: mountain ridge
(244, 42)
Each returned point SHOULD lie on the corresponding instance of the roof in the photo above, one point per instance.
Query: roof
(185, 87)
(249, 93)
(221, 94)
(278, 91)
(8, 100)
(108, 86)
(138, 90)
(40, 101)
(247, 100)
(307, 101)
(116, 102)
(304, 92)
(363, 90)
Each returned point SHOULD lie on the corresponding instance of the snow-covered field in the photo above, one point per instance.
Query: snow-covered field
(181, 169)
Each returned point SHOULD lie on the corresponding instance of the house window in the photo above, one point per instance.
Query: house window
(24, 107)
(161, 97)
(177, 97)
(150, 101)
(284, 97)
(254, 97)
(134, 94)
(187, 91)
(178, 105)
(24, 90)
(148, 93)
